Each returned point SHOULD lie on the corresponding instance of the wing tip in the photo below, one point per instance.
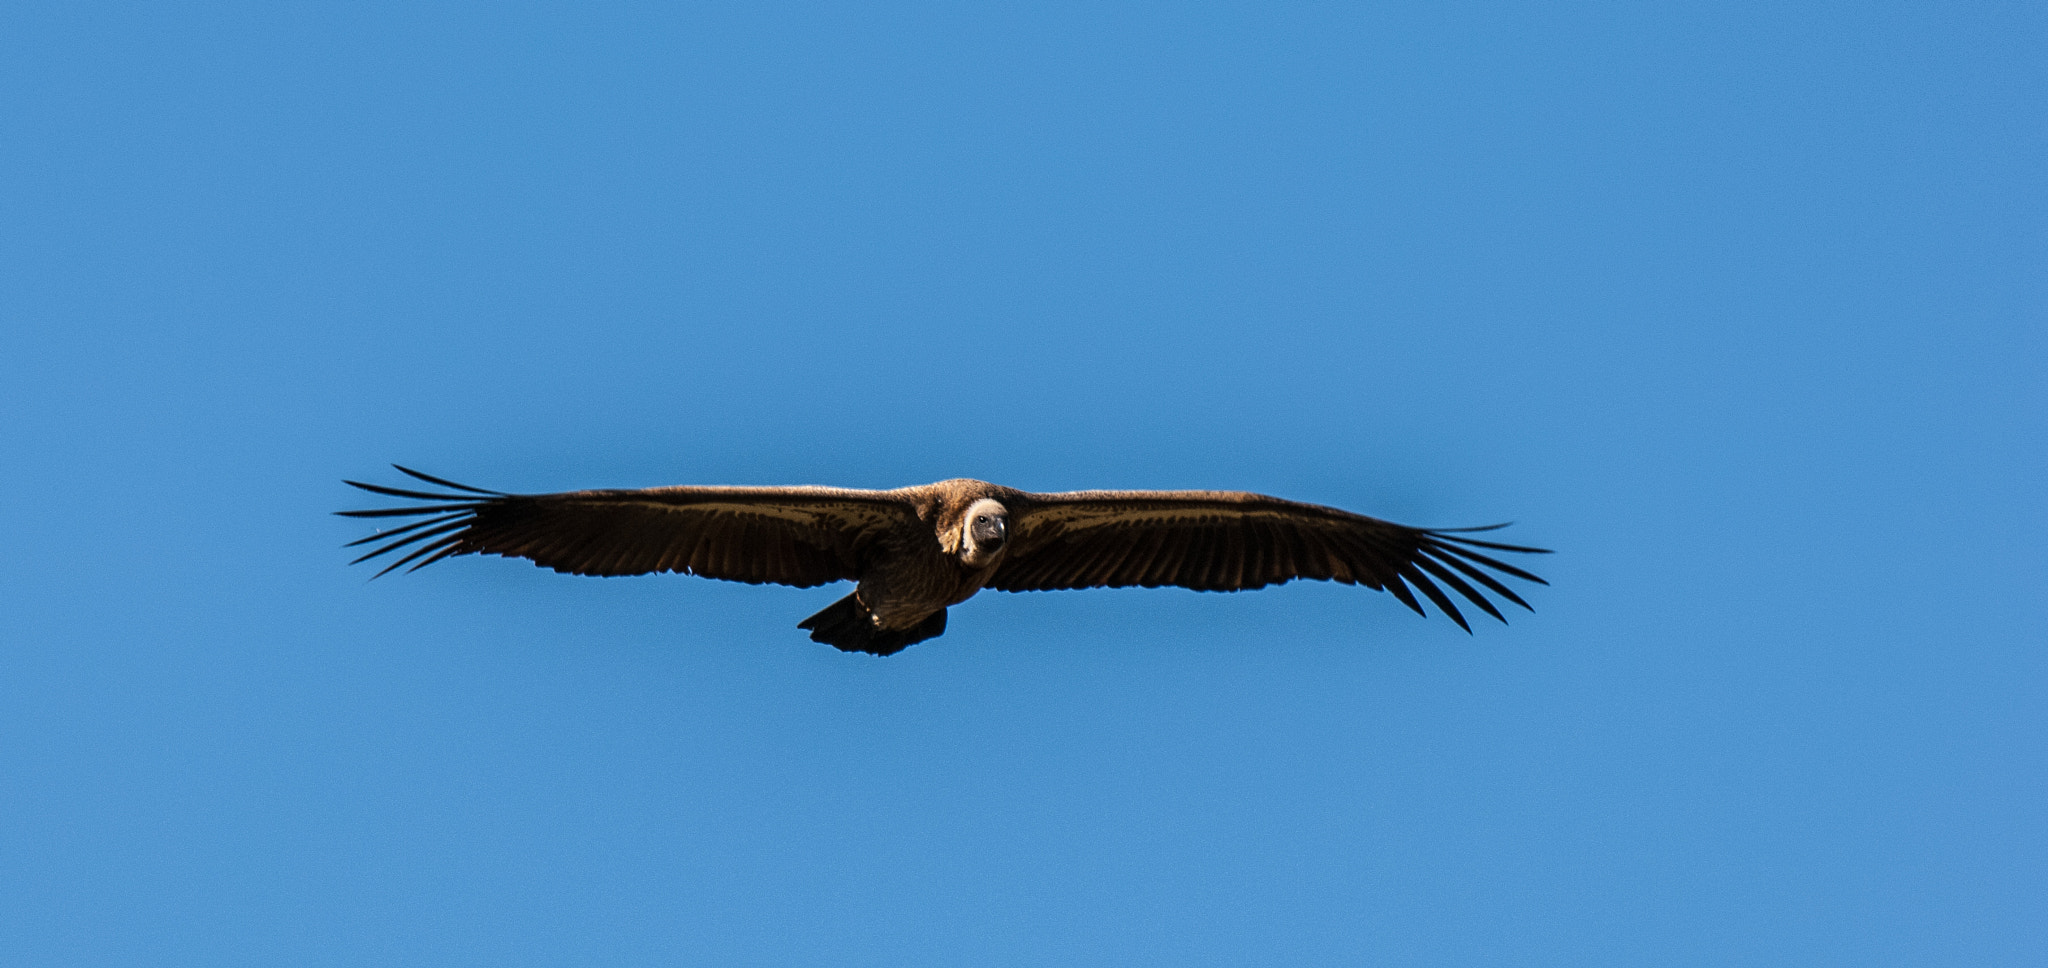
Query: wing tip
(1443, 546)
(429, 538)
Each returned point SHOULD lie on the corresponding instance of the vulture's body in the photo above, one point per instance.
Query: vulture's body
(915, 551)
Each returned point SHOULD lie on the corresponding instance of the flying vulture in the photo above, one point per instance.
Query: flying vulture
(917, 550)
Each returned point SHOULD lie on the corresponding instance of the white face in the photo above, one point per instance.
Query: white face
(985, 531)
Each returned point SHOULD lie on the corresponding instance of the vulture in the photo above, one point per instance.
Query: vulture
(916, 551)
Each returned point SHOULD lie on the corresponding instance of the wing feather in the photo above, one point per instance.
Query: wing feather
(1232, 540)
(1492, 584)
(395, 532)
(1416, 578)
(790, 535)
(402, 542)
(1162, 560)
(1400, 590)
(1442, 574)
(1500, 566)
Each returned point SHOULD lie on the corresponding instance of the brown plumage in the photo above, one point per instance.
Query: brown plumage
(917, 550)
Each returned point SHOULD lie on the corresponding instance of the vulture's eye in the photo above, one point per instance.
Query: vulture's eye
(981, 520)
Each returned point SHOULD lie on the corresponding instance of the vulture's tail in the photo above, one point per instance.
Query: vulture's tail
(848, 626)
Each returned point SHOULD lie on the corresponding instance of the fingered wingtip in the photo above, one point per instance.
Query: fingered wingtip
(429, 539)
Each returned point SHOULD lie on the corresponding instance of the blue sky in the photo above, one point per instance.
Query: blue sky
(1738, 306)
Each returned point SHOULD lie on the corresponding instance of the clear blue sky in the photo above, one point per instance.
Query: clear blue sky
(1743, 307)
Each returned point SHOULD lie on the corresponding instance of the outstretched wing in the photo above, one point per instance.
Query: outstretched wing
(799, 536)
(1232, 540)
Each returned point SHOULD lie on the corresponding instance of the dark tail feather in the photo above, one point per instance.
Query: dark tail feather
(848, 626)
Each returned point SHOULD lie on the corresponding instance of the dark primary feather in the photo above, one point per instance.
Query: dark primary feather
(790, 535)
(429, 478)
(1232, 541)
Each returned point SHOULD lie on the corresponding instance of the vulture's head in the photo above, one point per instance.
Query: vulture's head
(983, 532)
